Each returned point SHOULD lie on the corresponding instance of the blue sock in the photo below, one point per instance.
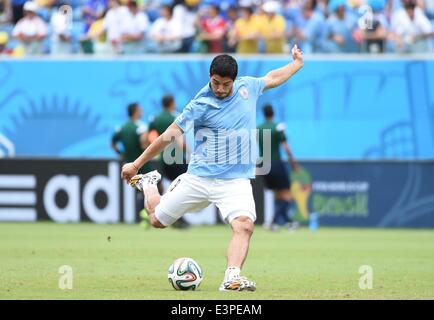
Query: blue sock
(289, 211)
(280, 212)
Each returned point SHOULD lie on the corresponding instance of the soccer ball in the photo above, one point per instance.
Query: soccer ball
(185, 274)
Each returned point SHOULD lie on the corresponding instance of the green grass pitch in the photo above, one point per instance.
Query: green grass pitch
(134, 263)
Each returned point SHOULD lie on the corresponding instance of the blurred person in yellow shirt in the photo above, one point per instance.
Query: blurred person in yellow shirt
(4, 50)
(17, 51)
(45, 3)
(273, 27)
(247, 31)
(95, 40)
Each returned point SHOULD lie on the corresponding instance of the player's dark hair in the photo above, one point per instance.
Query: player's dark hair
(248, 9)
(224, 66)
(168, 8)
(268, 111)
(216, 8)
(167, 101)
(132, 4)
(309, 5)
(132, 107)
(177, 2)
(409, 4)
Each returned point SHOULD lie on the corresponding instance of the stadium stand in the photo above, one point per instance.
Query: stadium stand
(210, 26)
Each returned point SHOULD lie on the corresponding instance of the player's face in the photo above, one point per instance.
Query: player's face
(410, 11)
(165, 13)
(221, 86)
(213, 12)
(341, 12)
(139, 112)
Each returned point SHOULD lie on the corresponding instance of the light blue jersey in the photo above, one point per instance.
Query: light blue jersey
(224, 130)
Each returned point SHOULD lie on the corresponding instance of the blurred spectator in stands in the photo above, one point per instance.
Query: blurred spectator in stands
(224, 6)
(339, 29)
(212, 30)
(92, 11)
(134, 31)
(166, 32)
(291, 11)
(95, 39)
(412, 31)
(375, 28)
(273, 28)
(17, 51)
(31, 30)
(230, 43)
(45, 3)
(152, 8)
(4, 50)
(17, 10)
(429, 9)
(394, 5)
(5, 11)
(184, 12)
(249, 3)
(309, 28)
(322, 7)
(114, 23)
(45, 8)
(141, 5)
(60, 31)
(247, 31)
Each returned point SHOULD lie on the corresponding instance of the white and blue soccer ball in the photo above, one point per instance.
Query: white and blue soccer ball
(185, 274)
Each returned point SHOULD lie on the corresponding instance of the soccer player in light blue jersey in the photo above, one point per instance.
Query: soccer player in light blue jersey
(222, 116)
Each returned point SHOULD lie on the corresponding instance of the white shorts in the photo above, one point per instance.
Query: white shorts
(189, 193)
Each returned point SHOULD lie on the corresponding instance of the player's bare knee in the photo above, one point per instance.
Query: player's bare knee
(156, 223)
(248, 228)
(243, 225)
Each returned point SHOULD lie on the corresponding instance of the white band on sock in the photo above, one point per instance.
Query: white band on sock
(232, 272)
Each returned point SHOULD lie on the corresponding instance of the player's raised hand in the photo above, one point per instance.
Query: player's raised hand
(297, 54)
(128, 171)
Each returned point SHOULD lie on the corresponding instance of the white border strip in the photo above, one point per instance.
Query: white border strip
(15, 214)
(17, 198)
(19, 181)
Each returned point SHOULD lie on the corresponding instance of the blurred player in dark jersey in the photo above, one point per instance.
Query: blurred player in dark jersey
(130, 140)
(278, 179)
(157, 126)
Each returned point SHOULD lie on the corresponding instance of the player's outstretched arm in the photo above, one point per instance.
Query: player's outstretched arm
(130, 169)
(279, 76)
(294, 164)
